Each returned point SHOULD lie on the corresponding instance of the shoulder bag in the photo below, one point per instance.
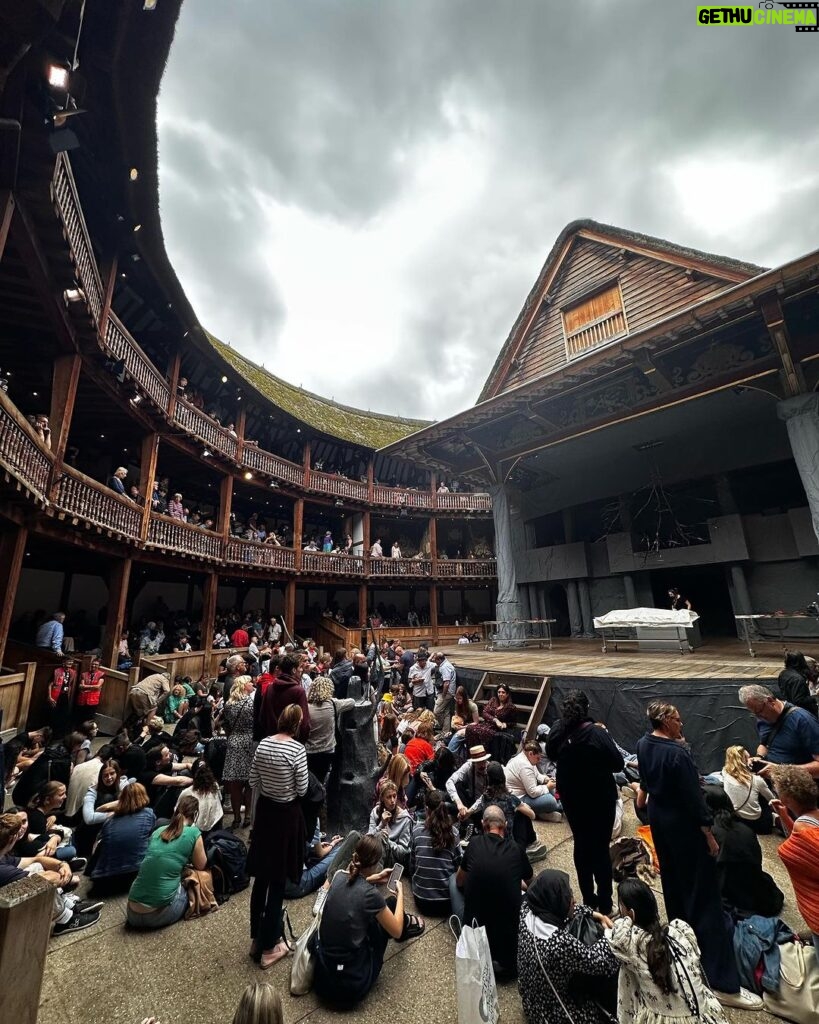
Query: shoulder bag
(303, 968)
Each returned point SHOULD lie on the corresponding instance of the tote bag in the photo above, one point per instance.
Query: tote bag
(303, 969)
(474, 976)
(798, 996)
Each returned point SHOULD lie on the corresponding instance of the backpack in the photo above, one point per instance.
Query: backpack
(227, 857)
(628, 854)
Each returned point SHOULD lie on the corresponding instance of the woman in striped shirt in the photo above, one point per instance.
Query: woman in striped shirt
(278, 776)
(435, 857)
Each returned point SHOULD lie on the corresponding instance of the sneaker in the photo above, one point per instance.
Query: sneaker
(555, 816)
(319, 901)
(742, 1000)
(77, 922)
(87, 906)
(78, 864)
(535, 852)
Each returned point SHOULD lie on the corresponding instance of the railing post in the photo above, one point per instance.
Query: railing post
(107, 297)
(12, 552)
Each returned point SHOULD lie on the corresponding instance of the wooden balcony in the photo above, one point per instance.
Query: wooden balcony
(341, 486)
(325, 564)
(400, 567)
(22, 455)
(207, 430)
(183, 539)
(142, 371)
(463, 502)
(272, 465)
(251, 553)
(67, 204)
(466, 568)
(90, 503)
(398, 497)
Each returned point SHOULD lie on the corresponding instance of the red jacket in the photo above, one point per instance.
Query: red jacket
(281, 692)
(240, 638)
(63, 682)
(90, 698)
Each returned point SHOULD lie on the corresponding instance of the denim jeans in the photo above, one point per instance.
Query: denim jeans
(456, 743)
(312, 878)
(545, 804)
(68, 852)
(162, 916)
(457, 899)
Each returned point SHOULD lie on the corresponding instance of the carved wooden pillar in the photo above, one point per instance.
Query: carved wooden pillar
(433, 545)
(147, 475)
(290, 606)
(108, 295)
(298, 524)
(6, 213)
(308, 448)
(225, 505)
(365, 524)
(118, 581)
(210, 593)
(12, 553)
(433, 612)
(64, 381)
(174, 367)
(362, 604)
(241, 421)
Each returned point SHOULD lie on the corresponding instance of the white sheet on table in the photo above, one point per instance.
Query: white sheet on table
(625, 617)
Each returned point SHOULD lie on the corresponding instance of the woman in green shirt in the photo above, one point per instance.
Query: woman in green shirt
(158, 897)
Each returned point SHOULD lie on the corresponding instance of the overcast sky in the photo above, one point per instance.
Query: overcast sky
(359, 194)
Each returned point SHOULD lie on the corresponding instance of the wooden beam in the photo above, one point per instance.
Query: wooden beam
(362, 604)
(210, 594)
(65, 379)
(12, 553)
(147, 475)
(119, 578)
(298, 526)
(433, 612)
(774, 317)
(6, 214)
(225, 506)
(290, 606)
(306, 458)
(108, 295)
(239, 426)
(173, 382)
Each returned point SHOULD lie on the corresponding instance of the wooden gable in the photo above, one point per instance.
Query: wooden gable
(596, 291)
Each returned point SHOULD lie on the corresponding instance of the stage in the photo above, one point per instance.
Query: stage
(721, 658)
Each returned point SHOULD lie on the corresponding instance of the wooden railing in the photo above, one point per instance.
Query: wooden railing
(67, 203)
(466, 502)
(248, 552)
(15, 699)
(331, 483)
(607, 327)
(466, 567)
(206, 429)
(335, 565)
(272, 465)
(21, 453)
(85, 499)
(173, 535)
(400, 567)
(139, 367)
(397, 497)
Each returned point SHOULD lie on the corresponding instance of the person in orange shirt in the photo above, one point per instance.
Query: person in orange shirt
(90, 690)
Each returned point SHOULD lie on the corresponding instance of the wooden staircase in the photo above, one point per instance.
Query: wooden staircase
(530, 693)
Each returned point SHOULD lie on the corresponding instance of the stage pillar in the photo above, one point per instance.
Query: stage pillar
(210, 593)
(801, 416)
(742, 597)
(631, 594)
(290, 606)
(573, 601)
(118, 579)
(508, 607)
(585, 607)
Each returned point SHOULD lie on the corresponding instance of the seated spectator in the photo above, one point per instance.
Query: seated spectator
(793, 682)
(356, 925)
(417, 751)
(467, 784)
(320, 857)
(205, 789)
(519, 816)
(435, 856)
(123, 841)
(661, 978)
(743, 883)
(524, 780)
(396, 770)
(42, 837)
(88, 730)
(176, 705)
(124, 660)
(798, 812)
(392, 824)
(83, 777)
(487, 888)
(464, 713)
(176, 508)
(435, 773)
(130, 757)
(157, 896)
(160, 779)
(152, 735)
(787, 734)
(99, 804)
(260, 1004)
(748, 792)
(497, 719)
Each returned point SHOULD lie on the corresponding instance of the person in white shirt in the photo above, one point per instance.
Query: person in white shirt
(376, 551)
(396, 551)
(749, 793)
(523, 780)
(447, 677)
(420, 680)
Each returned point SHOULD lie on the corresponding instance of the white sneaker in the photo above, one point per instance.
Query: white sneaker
(555, 816)
(742, 1000)
(319, 901)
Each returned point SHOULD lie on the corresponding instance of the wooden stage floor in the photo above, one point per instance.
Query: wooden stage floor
(721, 658)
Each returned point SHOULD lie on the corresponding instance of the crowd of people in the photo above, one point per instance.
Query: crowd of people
(455, 799)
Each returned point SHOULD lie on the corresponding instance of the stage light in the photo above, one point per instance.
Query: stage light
(57, 76)
(137, 227)
(274, 484)
(206, 454)
(224, 380)
(248, 475)
(149, 5)
(133, 174)
(73, 295)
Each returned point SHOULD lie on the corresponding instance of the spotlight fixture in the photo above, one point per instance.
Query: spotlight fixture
(149, 5)
(136, 399)
(137, 227)
(248, 475)
(73, 295)
(206, 454)
(34, 394)
(339, 503)
(274, 484)
(58, 76)
(224, 380)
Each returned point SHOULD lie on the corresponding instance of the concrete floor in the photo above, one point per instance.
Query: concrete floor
(195, 971)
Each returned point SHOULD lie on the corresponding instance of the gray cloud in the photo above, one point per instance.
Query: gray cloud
(580, 110)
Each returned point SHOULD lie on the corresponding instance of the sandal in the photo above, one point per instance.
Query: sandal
(279, 952)
(413, 927)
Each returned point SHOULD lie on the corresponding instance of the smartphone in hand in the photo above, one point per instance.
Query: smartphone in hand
(395, 878)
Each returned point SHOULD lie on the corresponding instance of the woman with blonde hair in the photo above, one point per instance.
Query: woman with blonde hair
(325, 711)
(260, 1004)
(237, 721)
(749, 793)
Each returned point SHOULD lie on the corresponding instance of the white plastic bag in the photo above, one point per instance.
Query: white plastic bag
(475, 978)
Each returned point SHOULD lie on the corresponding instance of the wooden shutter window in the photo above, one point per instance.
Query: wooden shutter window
(594, 320)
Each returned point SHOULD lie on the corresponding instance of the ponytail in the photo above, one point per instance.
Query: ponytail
(368, 853)
(186, 810)
(637, 897)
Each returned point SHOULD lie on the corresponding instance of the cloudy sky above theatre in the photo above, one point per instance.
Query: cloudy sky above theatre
(359, 194)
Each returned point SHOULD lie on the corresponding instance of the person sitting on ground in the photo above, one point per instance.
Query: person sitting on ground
(519, 816)
(661, 979)
(467, 784)
(356, 925)
(260, 1004)
(487, 888)
(83, 777)
(418, 750)
(158, 897)
(497, 719)
(99, 804)
(464, 713)
(130, 757)
(205, 789)
(743, 883)
(88, 730)
(793, 682)
(45, 835)
(748, 792)
(123, 841)
(798, 812)
(524, 780)
(434, 774)
(161, 777)
(435, 856)
(152, 734)
(176, 705)
(787, 734)
(392, 824)
(396, 770)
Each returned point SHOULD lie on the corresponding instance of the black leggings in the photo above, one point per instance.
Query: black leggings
(266, 904)
(763, 825)
(591, 827)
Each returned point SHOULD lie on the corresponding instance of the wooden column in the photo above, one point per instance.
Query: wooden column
(225, 505)
(298, 524)
(365, 523)
(308, 448)
(433, 612)
(147, 474)
(371, 481)
(290, 605)
(118, 580)
(65, 590)
(433, 545)
(241, 421)
(362, 604)
(25, 929)
(174, 367)
(64, 381)
(210, 594)
(108, 295)
(12, 553)
(6, 213)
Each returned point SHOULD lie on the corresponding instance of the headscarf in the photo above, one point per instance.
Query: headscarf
(550, 896)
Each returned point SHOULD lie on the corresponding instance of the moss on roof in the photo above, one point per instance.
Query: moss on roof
(369, 429)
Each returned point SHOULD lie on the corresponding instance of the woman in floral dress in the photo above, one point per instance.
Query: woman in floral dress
(237, 720)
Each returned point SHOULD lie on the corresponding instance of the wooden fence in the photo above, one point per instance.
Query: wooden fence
(15, 698)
